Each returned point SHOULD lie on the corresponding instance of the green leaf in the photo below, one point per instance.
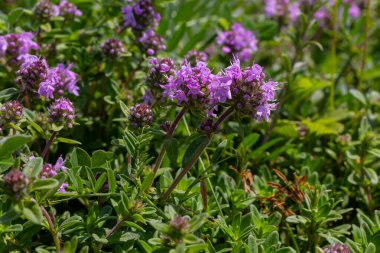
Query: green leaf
(249, 140)
(124, 108)
(172, 148)
(145, 246)
(79, 157)
(33, 213)
(15, 15)
(218, 152)
(286, 250)
(359, 96)
(68, 141)
(33, 168)
(111, 180)
(8, 93)
(44, 184)
(195, 149)
(100, 158)
(100, 182)
(371, 248)
(11, 143)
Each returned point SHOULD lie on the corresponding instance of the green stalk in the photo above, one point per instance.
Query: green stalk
(365, 48)
(333, 54)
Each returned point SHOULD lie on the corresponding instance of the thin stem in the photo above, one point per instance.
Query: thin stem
(364, 56)
(52, 229)
(295, 244)
(169, 134)
(48, 144)
(176, 181)
(333, 54)
(115, 228)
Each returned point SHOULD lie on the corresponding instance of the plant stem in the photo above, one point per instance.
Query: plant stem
(169, 134)
(115, 228)
(52, 229)
(48, 144)
(295, 244)
(176, 181)
(333, 54)
(364, 56)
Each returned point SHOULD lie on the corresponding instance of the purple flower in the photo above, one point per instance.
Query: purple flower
(15, 45)
(151, 42)
(11, 112)
(16, 182)
(250, 92)
(112, 48)
(337, 248)
(32, 72)
(48, 170)
(140, 115)
(354, 11)
(284, 8)
(45, 11)
(140, 15)
(68, 10)
(59, 80)
(237, 42)
(194, 56)
(160, 70)
(62, 188)
(61, 113)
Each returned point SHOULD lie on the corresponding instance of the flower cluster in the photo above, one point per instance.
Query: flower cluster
(140, 115)
(237, 42)
(112, 48)
(13, 45)
(151, 42)
(59, 80)
(45, 11)
(283, 9)
(16, 182)
(32, 72)
(337, 248)
(68, 10)
(140, 16)
(61, 113)
(323, 14)
(48, 170)
(194, 56)
(11, 112)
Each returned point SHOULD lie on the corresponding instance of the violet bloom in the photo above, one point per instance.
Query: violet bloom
(140, 115)
(44, 11)
(284, 8)
(13, 45)
(140, 16)
(62, 113)
(337, 248)
(112, 48)
(250, 93)
(32, 72)
(151, 42)
(11, 112)
(159, 72)
(16, 182)
(62, 188)
(194, 56)
(48, 170)
(68, 10)
(59, 80)
(237, 42)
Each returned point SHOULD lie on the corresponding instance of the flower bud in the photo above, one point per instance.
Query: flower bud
(16, 182)
(112, 48)
(11, 112)
(61, 113)
(140, 115)
(45, 11)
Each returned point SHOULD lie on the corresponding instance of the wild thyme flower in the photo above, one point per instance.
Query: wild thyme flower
(179, 227)
(16, 182)
(194, 56)
(44, 11)
(59, 80)
(48, 170)
(140, 16)
(151, 42)
(323, 15)
(13, 45)
(32, 72)
(140, 115)
(159, 72)
(237, 42)
(112, 48)
(62, 188)
(61, 113)
(337, 248)
(68, 10)
(11, 112)
(250, 92)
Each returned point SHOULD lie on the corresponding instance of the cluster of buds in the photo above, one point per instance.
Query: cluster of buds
(61, 113)
(337, 248)
(238, 42)
(14, 45)
(68, 10)
(11, 112)
(112, 48)
(140, 16)
(178, 228)
(45, 11)
(194, 56)
(151, 42)
(32, 72)
(16, 182)
(140, 115)
(283, 9)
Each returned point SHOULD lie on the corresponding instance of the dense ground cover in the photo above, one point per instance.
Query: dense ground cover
(189, 126)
